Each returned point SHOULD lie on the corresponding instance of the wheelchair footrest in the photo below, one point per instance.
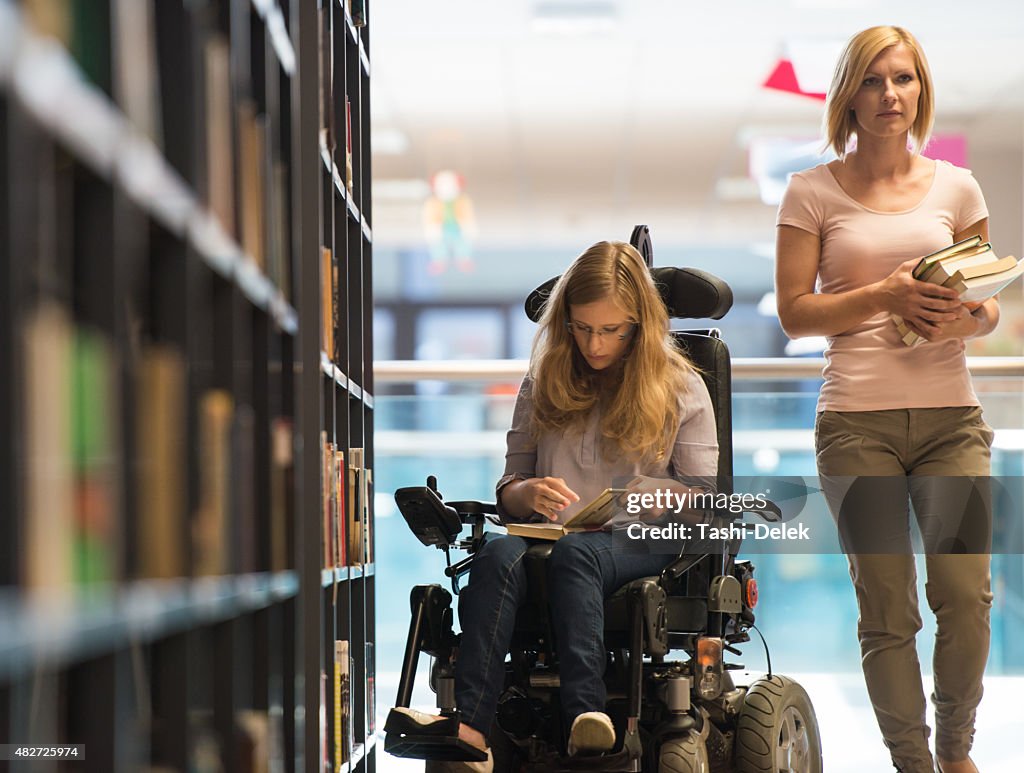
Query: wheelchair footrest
(626, 760)
(423, 737)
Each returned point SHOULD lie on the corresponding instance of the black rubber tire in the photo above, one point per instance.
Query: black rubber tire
(683, 755)
(777, 731)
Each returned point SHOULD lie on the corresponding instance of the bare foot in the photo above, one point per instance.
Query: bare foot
(963, 766)
(472, 736)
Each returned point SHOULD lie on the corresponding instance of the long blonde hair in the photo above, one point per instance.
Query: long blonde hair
(858, 55)
(642, 406)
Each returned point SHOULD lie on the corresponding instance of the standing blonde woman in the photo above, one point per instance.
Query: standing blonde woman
(608, 398)
(899, 421)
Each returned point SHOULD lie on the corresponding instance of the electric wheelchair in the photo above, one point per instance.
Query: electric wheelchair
(671, 716)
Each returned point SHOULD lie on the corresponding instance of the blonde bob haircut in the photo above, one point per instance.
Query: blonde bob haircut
(640, 396)
(860, 52)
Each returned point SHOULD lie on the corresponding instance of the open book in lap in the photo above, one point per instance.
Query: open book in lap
(591, 518)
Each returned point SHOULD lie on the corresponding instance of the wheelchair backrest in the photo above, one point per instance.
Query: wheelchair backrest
(711, 356)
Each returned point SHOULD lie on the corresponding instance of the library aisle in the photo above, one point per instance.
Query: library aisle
(187, 577)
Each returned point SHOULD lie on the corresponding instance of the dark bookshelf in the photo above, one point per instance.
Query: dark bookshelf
(165, 197)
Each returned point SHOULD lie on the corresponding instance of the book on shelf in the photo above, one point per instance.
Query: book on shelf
(244, 534)
(275, 745)
(333, 476)
(91, 43)
(220, 156)
(279, 263)
(371, 690)
(326, 78)
(971, 268)
(50, 17)
(343, 732)
(136, 85)
(211, 546)
(252, 129)
(368, 516)
(352, 505)
(96, 458)
(348, 145)
(73, 463)
(358, 506)
(160, 410)
(336, 301)
(206, 746)
(338, 480)
(592, 517)
(84, 32)
(252, 740)
(282, 488)
(49, 488)
(358, 10)
(329, 536)
(327, 302)
(325, 758)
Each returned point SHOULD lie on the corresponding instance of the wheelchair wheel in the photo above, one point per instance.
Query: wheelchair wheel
(683, 755)
(777, 731)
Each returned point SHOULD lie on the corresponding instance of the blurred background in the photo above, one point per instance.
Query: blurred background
(509, 137)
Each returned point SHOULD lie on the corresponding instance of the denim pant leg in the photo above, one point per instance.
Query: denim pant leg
(487, 613)
(583, 570)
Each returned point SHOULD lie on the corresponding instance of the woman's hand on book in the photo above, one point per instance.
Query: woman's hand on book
(548, 496)
(921, 304)
(963, 325)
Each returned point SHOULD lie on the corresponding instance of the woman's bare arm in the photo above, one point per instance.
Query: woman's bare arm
(804, 312)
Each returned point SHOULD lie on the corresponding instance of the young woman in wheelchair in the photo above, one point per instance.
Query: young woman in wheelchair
(608, 397)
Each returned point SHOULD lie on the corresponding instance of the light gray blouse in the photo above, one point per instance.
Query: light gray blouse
(576, 457)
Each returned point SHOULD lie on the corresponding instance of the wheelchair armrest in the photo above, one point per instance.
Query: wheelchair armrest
(470, 508)
(680, 566)
(771, 512)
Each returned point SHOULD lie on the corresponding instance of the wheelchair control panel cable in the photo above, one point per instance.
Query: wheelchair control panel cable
(448, 566)
(767, 654)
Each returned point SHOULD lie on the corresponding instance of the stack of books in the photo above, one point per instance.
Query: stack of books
(971, 268)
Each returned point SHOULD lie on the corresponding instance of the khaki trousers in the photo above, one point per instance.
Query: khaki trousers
(872, 463)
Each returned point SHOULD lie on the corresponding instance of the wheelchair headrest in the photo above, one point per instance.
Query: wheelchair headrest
(688, 293)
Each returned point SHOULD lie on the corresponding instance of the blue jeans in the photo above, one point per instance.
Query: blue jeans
(583, 569)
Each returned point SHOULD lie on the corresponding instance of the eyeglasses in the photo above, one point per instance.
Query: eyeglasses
(619, 332)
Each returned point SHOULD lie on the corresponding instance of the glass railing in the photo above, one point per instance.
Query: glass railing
(454, 427)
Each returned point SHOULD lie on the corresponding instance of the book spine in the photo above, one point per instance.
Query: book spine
(282, 471)
(49, 491)
(160, 387)
(212, 548)
(343, 702)
(95, 459)
(340, 511)
(325, 497)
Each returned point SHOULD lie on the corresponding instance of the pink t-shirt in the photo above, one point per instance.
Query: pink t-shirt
(867, 367)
